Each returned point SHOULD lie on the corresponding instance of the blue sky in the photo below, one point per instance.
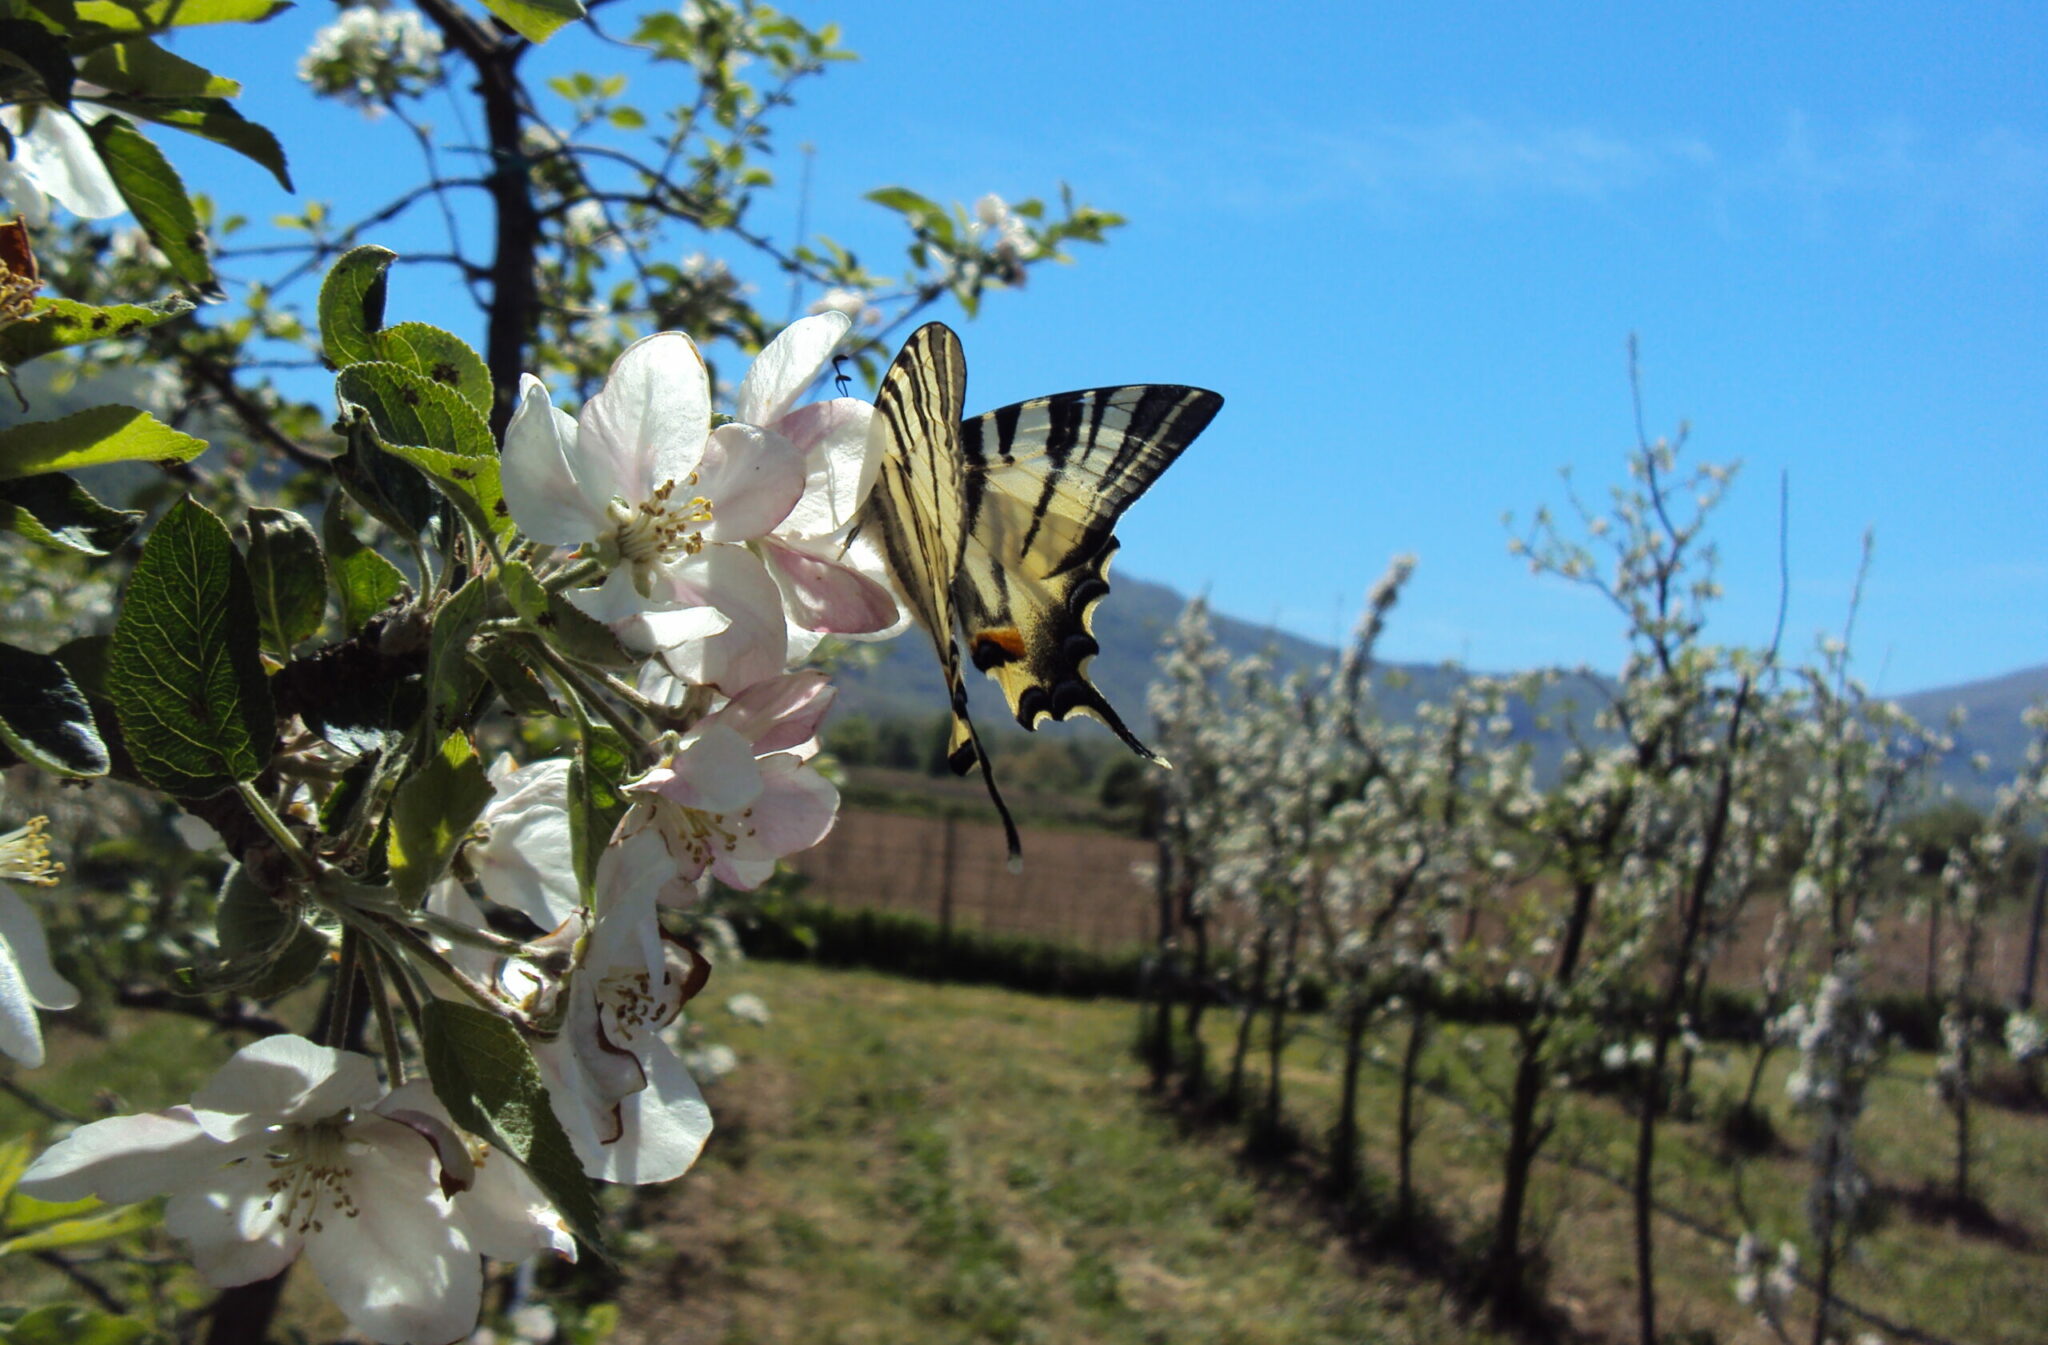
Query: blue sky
(1409, 249)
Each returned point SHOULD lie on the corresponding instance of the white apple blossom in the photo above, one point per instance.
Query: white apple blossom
(28, 979)
(631, 1109)
(519, 849)
(665, 503)
(54, 160)
(290, 1148)
(370, 55)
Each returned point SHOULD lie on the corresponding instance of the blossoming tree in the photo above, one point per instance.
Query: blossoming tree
(574, 544)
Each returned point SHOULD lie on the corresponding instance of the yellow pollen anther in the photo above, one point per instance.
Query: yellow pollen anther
(25, 855)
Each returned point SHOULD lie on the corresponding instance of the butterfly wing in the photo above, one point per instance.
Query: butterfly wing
(918, 514)
(1043, 486)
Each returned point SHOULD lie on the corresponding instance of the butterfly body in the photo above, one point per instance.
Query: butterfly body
(999, 528)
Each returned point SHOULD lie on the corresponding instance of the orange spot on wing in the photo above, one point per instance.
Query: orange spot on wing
(1009, 639)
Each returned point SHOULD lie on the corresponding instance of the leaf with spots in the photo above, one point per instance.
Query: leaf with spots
(54, 324)
(156, 197)
(352, 305)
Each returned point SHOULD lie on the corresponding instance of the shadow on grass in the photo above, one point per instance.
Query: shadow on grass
(1291, 1166)
(1934, 1203)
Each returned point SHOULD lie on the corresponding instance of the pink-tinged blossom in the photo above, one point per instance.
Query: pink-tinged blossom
(289, 1148)
(665, 503)
(828, 586)
(28, 979)
(739, 792)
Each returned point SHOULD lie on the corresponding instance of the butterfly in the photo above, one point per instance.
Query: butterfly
(999, 528)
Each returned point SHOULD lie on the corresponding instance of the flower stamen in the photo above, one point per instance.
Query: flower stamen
(25, 855)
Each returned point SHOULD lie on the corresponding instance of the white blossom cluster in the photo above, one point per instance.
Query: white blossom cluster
(370, 56)
(719, 553)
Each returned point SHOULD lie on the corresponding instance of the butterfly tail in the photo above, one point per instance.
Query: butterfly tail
(964, 751)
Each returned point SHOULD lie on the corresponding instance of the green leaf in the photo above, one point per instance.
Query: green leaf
(501, 657)
(408, 407)
(69, 1324)
(435, 807)
(56, 511)
(34, 47)
(472, 484)
(183, 672)
(140, 68)
(597, 798)
(148, 16)
(484, 1074)
(56, 323)
(15, 1154)
(431, 426)
(365, 581)
(905, 201)
(78, 1232)
(442, 356)
(266, 948)
(452, 680)
(535, 20)
(156, 197)
(394, 492)
(560, 622)
(44, 719)
(352, 305)
(288, 577)
(92, 438)
(215, 119)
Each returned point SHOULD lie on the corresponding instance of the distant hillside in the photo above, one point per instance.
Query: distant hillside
(1991, 725)
(1133, 622)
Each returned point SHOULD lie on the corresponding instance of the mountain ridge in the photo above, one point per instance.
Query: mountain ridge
(900, 680)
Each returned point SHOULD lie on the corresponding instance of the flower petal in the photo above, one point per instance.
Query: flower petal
(752, 478)
(59, 155)
(781, 712)
(650, 419)
(664, 1125)
(23, 933)
(753, 647)
(839, 468)
(822, 594)
(507, 1216)
(549, 501)
(128, 1158)
(283, 1078)
(782, 370)
(713, 771)
(400, 1267)
(525, 863)
(233, 1232)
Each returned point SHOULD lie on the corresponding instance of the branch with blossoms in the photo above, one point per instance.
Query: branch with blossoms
(648, 578)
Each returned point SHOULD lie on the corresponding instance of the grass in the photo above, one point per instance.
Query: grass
(908, 1163)
(1983, 1285)
(898, 1161)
